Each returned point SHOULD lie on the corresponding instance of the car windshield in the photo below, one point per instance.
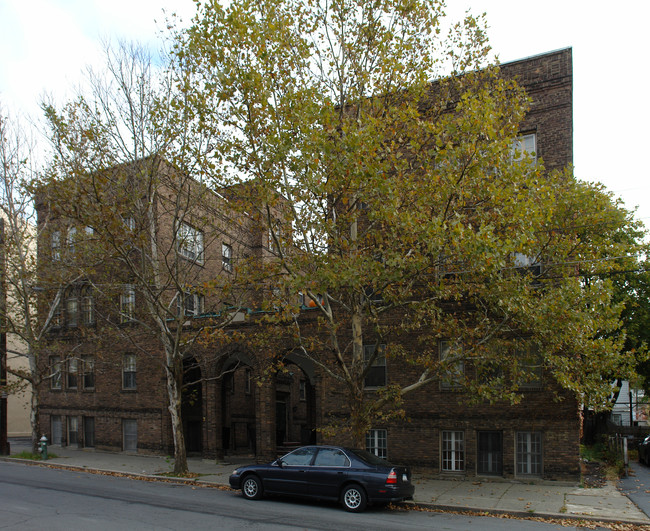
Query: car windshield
(369, 458)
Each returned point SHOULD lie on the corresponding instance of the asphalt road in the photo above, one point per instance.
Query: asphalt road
(33, 497)
(637, 486)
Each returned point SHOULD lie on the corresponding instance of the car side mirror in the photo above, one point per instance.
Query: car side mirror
(279, 462)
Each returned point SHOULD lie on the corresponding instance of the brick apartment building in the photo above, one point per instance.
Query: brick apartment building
(116, 400)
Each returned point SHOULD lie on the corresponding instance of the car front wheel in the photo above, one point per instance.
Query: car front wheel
(354, 498)
(251, 488)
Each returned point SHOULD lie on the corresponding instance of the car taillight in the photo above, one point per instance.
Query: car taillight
(392, 478)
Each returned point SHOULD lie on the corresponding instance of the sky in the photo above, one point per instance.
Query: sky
(46, 45)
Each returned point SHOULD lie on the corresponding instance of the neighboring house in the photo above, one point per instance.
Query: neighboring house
(112, 397)
(19, 402)
(631, 406)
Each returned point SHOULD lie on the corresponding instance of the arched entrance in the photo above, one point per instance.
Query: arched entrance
(192, 406)
(295, 404)
(238, 393)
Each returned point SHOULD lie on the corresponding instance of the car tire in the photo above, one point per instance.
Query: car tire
(251, 487)
(354, 498)
(641, 460)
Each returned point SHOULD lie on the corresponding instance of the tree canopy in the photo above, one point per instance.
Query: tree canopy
(378, 153)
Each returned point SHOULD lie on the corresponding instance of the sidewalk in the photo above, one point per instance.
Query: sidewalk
(543, 499)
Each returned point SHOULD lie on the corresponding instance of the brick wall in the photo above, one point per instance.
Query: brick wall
(415, 440)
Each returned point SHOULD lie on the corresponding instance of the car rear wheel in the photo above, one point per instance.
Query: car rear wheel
(354, 498)
(251, 488)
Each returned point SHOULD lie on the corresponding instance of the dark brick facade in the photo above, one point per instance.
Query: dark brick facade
(548, 79)
(242, 413)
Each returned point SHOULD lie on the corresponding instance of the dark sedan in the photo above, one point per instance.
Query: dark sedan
(354, 477)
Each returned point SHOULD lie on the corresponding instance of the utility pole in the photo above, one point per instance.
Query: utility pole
(4, 443)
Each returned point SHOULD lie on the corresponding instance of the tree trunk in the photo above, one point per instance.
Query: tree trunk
(358, 418)
(174, 391)
(34, 418)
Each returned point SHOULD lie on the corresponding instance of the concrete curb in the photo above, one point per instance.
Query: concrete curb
(528, 515)
(428, 506)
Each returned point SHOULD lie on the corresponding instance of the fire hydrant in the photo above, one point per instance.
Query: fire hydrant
(42, 447)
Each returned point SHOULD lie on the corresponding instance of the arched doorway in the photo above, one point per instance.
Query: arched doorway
(192, 406)
(238, 411)
(295, 405)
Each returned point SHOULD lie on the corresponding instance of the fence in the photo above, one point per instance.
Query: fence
(618, 445)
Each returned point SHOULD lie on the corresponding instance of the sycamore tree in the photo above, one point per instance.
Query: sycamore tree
(378, 152)
(120, 172)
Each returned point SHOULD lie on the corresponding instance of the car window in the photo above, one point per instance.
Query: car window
(301, 456)
(331, 457)
(370, 459)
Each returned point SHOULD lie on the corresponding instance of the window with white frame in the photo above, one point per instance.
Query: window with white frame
(72, 373)
(129, 435)
(128, 371)
(376, 443)
(529, 453)
(57, 430)
(271, 241)
(190, 242)
(58, 320)
(129, 222)
(453, 366)
(55, 243)
(72, 239)
(226, 257)
(190, 304)
(376, 373)
(524, 148)
(73, 431)
(88, 366)
(531, 363)
(127, 304)
(55, 372)
(453, 451)
(87, 306)
(72, 309)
